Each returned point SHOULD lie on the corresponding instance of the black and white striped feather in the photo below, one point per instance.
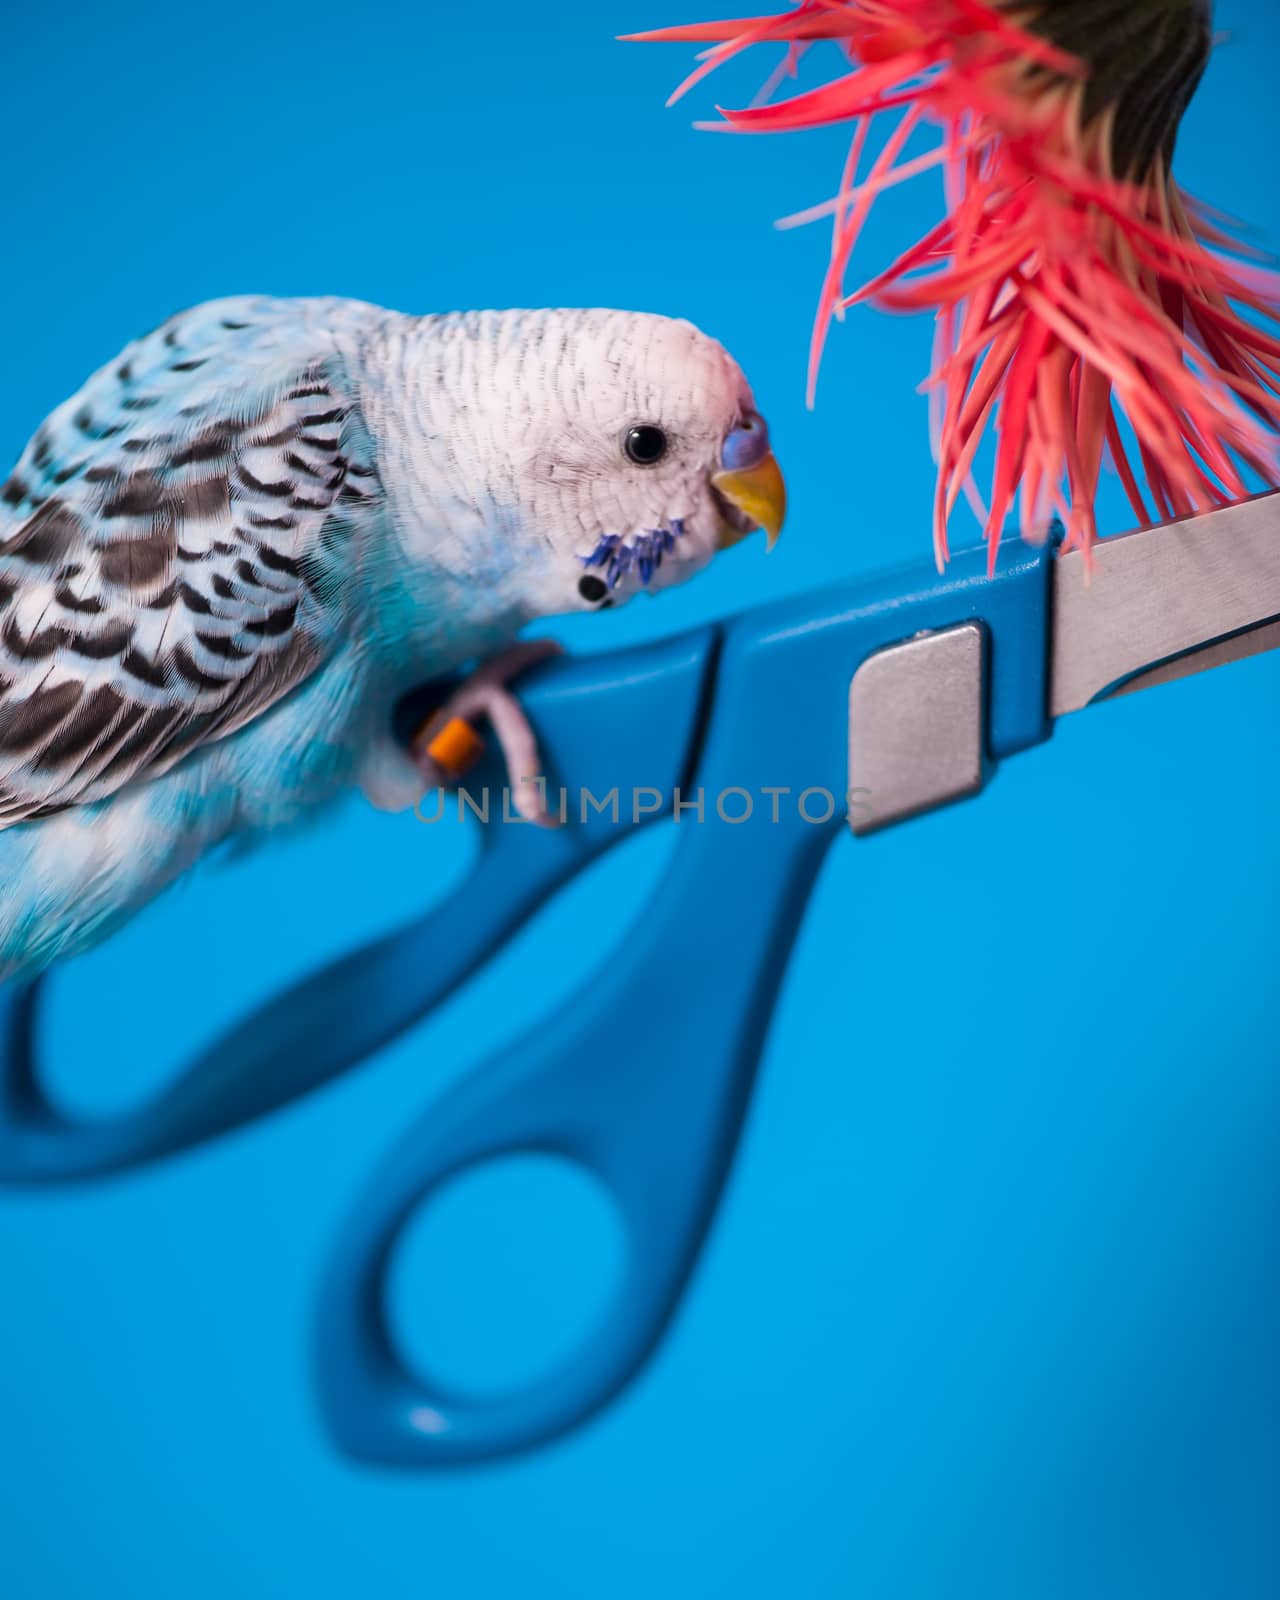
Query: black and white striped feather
(172, 545)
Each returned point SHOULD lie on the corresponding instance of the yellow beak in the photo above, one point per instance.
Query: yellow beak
(760, 494)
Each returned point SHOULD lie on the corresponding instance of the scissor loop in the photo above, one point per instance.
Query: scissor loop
(643, 1079)
(644, 1076)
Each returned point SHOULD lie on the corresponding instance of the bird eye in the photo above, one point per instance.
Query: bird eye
(645, 445)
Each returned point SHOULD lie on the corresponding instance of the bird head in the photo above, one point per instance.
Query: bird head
(654, 458)
(632, 452)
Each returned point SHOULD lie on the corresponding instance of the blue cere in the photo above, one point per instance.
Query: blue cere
(747, 445)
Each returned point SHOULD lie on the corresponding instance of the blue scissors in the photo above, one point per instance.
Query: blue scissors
(858, 706)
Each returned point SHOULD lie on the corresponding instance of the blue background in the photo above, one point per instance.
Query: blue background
(990, 1309)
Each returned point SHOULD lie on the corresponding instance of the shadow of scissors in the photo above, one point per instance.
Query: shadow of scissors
(877, 700)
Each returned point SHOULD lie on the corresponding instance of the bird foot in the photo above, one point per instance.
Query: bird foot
(448, 745)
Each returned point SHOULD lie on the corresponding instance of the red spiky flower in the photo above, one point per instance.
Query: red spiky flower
(1074, 287)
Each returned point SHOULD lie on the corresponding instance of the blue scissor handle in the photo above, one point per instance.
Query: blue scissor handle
(650, 1106)
(624, 717)
(644, 1076)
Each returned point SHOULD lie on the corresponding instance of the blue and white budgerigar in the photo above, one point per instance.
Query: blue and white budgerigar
(226, 559)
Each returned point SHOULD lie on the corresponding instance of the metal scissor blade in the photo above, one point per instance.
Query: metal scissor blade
(1164, 602)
